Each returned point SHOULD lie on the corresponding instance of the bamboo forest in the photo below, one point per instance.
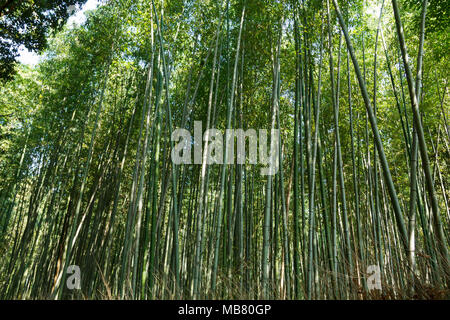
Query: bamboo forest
(350, 99)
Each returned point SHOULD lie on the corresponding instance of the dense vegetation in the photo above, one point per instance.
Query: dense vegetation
(86, 176)
(27, 23)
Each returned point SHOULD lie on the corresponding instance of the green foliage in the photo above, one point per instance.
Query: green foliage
(85, 153)
(28, 23)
